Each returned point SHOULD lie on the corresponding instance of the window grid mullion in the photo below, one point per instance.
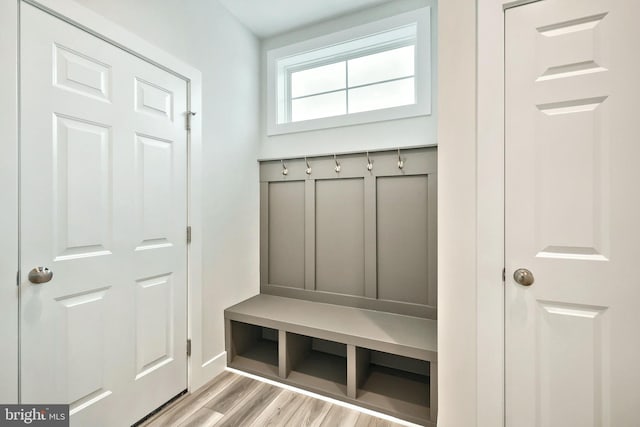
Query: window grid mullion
(346, 85)
(353, 87)
(289, 98)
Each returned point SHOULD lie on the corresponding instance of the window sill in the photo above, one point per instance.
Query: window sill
(365, 117)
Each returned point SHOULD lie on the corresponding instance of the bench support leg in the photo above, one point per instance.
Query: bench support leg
(292, 349)
(358, 360)
(284, 367)
(228, 341)
(433, 390)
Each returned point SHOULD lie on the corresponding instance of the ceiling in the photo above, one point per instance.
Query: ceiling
(266, 18)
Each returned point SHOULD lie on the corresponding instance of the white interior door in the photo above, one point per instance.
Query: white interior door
(104, 207)
(573, 213)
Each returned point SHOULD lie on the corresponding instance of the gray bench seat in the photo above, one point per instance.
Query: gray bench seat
(277, 337)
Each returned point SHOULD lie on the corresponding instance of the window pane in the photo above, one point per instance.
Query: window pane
(318, 80)
(388, 65)
(382, 95)
(315, 107)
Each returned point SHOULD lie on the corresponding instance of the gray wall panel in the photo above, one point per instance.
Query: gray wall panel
(402, 217)
(286, 234)
(310, 235)
(340, 236)
(354, 235)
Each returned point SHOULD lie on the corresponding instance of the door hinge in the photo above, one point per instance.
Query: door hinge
(190, 114)
(504, 275)
(189, 347)
(18, 278)
(188, 234)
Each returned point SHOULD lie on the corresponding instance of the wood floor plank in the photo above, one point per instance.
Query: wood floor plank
(224, 401)
(189, 405)
(251, 407)
(280, 410)
(339, 416)
(203, 417)
(235, 400)
(310, 413)
(365, 420)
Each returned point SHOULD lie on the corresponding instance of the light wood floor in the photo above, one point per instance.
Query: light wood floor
(235, 400)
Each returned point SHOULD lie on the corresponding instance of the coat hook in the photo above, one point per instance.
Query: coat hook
(369, 163)
(308, 171)
(400, 161)
(285, 171)
(335, 159)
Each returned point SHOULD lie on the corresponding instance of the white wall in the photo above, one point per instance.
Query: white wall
(204, 34)
(471, 214)
(415, 131)
(8, 209)
(457, 221)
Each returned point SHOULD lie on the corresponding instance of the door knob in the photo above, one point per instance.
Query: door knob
(40, 275)
(523, 277)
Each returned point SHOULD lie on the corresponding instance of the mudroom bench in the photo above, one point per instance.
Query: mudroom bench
(379, 360)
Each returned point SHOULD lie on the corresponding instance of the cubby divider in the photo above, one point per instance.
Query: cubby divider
(358, 366)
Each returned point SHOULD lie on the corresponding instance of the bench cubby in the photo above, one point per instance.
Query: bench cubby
(316, 364)
(254, 348)
(398, 383)
(382, 361)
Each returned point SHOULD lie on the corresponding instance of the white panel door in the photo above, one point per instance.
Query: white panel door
(104, 207)
(573, 213)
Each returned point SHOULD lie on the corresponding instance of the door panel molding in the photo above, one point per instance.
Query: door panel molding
(9, 292)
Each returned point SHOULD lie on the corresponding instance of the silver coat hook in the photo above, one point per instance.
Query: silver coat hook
(308, 171)
(400, 161)
(369, 163)
(335, 159)
(285, 171)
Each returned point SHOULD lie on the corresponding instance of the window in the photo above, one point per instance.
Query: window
(378, 71)
(363, 83)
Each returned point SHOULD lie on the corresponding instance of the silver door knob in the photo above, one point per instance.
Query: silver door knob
(40, 275)
(523, 277)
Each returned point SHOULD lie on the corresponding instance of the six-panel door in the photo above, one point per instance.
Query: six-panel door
(104, 206)
(572, 212)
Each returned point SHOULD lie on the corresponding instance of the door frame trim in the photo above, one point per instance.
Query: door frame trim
(199, 371)
(490, 113)
(471, 212)
(9, 202)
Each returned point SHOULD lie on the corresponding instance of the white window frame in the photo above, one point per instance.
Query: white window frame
(348, 43)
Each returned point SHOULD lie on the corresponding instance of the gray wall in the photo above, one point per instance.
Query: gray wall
(355, 237)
